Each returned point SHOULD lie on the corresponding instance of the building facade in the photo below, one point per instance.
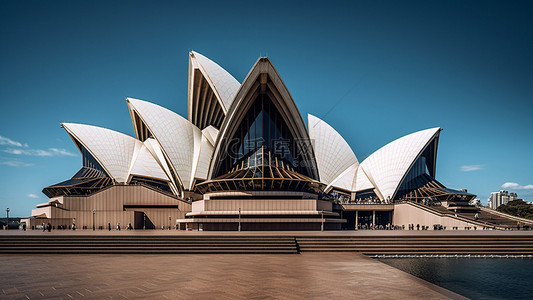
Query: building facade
(499, 198)
(243, 159)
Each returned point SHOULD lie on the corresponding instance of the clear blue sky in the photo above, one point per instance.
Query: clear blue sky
(374, 70)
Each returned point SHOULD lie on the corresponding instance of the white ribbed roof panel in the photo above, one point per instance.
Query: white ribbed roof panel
(175, 134)
(145, 165)
(225, 85)
(112, 149)
(333, 154)
(211, 134)
(155, 149)
(361, 181)
(204, 159)
(387, 167)
(346, 180)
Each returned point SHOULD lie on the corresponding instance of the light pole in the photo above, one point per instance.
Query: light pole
(322, 225)
(7, 222)
(94, 225)
(239, 219)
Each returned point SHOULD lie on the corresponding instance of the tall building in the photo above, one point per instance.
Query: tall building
(499, 198)
(243, 159)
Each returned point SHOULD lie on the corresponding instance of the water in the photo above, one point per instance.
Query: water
(476, 278)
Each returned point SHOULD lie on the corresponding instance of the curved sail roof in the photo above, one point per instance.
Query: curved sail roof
(224, 85)
(387, 167)
(263, 79)
(345, 180)
(113, 150)
(211, 91)
(333, 154)
(203, 159)
(361, 181)
(175, 135)
(352, 179)
(155, 149)
(210, 133)
(143, 163)
(120, 155)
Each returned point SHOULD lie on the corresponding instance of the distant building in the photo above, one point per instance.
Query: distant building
(499, 198)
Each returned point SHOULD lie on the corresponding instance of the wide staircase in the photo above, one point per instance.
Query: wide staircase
(422, 245)
(486, 217)
(271, 244)
(148, 244)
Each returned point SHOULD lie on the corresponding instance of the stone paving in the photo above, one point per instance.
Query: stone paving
(305, 276)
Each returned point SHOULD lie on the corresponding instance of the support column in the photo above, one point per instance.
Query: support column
(356, 219)
(373, 219)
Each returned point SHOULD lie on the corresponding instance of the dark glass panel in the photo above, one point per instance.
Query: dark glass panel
(420, 173)
(262, 138)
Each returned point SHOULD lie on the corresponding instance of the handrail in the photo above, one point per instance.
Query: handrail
(493, 211)
(453, 216)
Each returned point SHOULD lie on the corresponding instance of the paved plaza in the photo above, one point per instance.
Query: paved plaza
(305, 276)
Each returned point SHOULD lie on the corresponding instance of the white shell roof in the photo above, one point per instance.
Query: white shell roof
(352, 179)
(154, 148)
(175, 134)
(361, 181)
(346, 180)
(116, 152)
(388, 166)
(333, 154)
(144, 164)
(225, 85)
(204, 159)
(113, 150)
(211, 134)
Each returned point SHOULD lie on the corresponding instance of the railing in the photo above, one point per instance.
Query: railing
(499, 213)
(454, 216)
(363, 202)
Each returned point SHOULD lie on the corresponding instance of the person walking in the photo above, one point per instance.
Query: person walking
(109, 226)
(118, 226)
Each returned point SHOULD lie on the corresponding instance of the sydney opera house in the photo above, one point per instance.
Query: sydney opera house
(243, 159)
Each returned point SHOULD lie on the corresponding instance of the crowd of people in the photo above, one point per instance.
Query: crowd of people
(368, 200)
(366, 226)
(430, 202)
(49, 227)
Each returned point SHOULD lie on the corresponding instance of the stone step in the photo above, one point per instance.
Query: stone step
(269, 244)
(150, 251)
(427, 252)
(146, 242)
(146, 246)
(415, 242)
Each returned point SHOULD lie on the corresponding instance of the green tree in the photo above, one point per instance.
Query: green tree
(517, 208)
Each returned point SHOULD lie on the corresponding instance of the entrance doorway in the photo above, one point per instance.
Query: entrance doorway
(141, 220)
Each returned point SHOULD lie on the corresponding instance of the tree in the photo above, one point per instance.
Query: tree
(517, 208)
